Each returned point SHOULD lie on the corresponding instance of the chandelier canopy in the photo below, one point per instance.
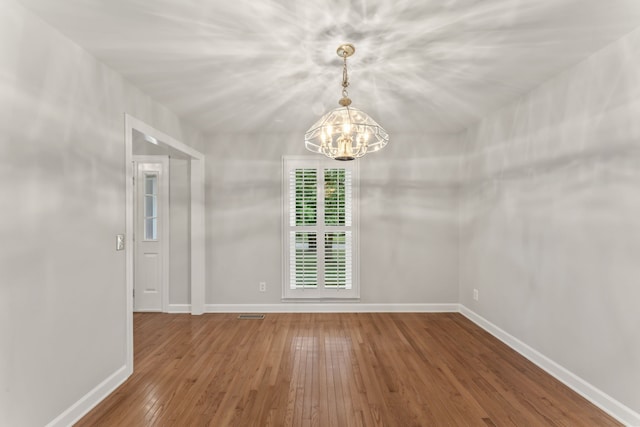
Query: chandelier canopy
(345, 133)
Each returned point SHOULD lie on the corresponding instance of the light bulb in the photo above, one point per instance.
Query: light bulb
(329, 130)
(346, 128)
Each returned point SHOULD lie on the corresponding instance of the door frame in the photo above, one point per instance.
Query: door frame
(166, 223)
(197, 222)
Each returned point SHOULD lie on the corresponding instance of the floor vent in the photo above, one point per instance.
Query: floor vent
(251, 316)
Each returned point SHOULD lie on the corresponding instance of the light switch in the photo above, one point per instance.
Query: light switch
(119, 242)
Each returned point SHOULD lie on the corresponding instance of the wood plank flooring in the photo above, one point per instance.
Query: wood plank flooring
(360, 369)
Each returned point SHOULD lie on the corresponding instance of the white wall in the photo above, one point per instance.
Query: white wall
(408, 220)
(408, 214)
(62, 284)
(179, 211)
(550, 230)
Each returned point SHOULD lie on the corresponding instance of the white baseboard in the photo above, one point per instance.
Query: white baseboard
(602, 400)
(91, 399)
(179, 308)
(330, 307)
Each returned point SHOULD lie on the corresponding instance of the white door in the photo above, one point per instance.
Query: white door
(150, 235)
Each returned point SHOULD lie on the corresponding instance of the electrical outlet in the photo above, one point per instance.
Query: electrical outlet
(262, 287)
(475, 294)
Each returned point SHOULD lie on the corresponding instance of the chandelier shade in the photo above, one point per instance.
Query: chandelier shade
(345, 133)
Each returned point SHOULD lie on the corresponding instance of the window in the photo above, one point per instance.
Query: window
(320, 233)
(150, 206)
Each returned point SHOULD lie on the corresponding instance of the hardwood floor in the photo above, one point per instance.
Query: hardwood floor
(382, 369)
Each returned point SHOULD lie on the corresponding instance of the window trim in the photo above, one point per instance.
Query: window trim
(325, 294)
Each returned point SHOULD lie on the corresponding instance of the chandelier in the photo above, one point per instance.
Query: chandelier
(346, 132)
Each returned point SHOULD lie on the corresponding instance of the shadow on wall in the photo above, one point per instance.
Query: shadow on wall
(549, 219)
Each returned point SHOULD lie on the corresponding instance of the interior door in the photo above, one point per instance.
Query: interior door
(150, 259)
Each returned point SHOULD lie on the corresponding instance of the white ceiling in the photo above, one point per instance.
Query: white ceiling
(250, 65)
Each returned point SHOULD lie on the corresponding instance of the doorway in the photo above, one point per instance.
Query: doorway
(156, 140)
(151, 233)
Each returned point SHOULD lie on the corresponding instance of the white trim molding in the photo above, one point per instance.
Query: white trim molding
(198, 233)
(179, 308)
(596, 396)
(197, 222)
(91, 399)
(333, 307)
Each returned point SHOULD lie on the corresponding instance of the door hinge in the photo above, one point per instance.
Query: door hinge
(134, 293)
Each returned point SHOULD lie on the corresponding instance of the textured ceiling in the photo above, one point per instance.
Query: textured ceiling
(251, 65)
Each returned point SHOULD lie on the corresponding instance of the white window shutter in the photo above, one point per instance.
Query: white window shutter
(320, 233)
(303, 264)
(303, 194)
(337, 259)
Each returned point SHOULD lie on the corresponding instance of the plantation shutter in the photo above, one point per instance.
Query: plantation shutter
(338, 245)
(319, 230)
(303, 215)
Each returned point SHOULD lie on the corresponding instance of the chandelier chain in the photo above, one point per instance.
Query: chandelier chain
(345, 77)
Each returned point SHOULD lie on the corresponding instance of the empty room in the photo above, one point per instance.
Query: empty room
(360, 213)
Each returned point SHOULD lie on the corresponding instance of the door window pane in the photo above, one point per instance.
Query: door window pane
(151, 184)
(150, 206)
(150, 210)
(151, 229)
